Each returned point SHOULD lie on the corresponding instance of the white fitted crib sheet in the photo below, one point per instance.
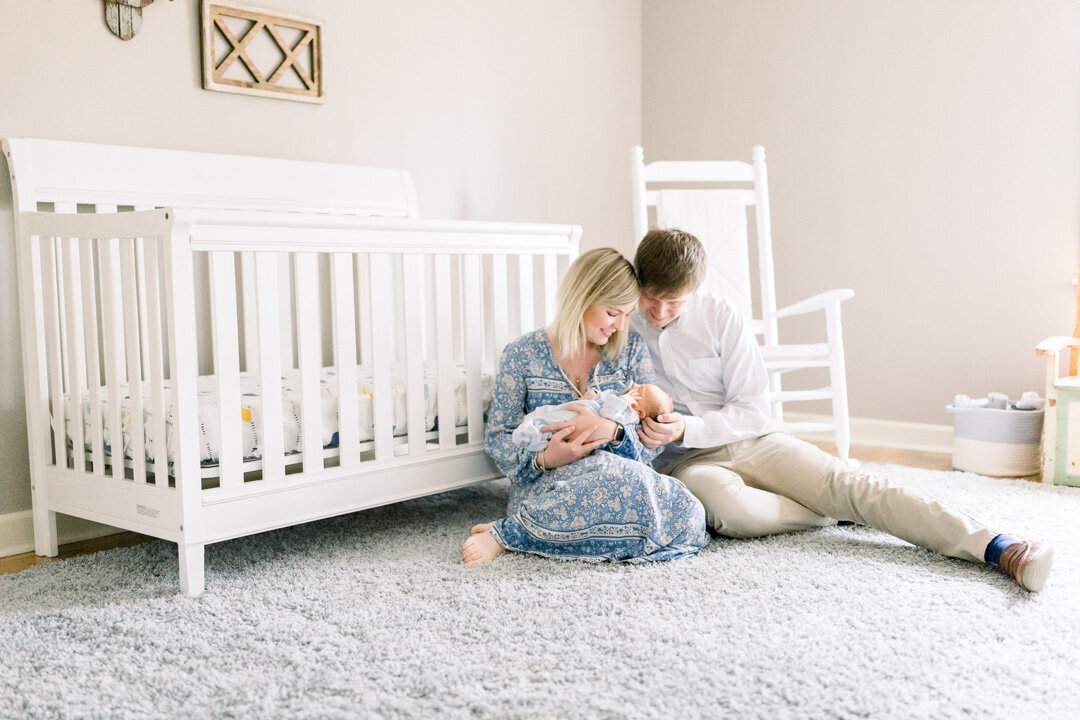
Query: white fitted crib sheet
(292, 411)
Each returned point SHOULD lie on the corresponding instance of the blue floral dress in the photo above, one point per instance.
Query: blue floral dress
(610, 505)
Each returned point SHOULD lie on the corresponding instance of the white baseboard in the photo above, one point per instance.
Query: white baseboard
(17, 531)
(886, 433)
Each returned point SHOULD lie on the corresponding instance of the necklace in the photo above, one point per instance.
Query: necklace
(575, 379)
(578, 379)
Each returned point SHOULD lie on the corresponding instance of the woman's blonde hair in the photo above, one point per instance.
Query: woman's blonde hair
(598, 277)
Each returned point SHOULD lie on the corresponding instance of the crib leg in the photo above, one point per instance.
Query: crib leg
(192, 578)
(45, 542)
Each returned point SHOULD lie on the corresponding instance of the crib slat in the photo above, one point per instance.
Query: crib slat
(140, 279)
(134, 359)
(288, 358)
(381, 354)
(113, 326)
(363, 270)
(76, 357)
(341, 274)
(90, 323)
(112, 350)
(444, 341)
(141, 273)
(61, 304)
(227, 368)
(498, 307)
(428, 289)
(396, 300)
(309, 351)
(551, 286)
(251, 319)
(266, 290)
(474, 339)
(525, 294)
(158, 435)
(413, 286)
(52, 349)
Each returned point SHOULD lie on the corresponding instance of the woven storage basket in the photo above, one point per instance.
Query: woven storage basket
(997, 442)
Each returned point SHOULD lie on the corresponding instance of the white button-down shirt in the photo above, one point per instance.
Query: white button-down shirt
(708, 361)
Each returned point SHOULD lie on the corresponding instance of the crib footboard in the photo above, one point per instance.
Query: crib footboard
(94, 299)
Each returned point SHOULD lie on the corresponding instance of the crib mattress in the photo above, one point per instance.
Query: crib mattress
(251, 401)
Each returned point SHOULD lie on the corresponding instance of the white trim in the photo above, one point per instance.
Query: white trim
(17, 531)
(926, 437)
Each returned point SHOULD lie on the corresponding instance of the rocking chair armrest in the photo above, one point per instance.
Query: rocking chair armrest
(1054, 345)
(820, 301)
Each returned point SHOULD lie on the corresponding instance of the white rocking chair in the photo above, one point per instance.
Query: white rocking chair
(710, 200)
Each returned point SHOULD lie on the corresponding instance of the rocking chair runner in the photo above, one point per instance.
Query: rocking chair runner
(717, 215)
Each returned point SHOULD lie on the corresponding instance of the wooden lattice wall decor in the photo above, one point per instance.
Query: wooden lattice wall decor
(262, 52)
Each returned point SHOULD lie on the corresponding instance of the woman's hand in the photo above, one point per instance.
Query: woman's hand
(566, 447)
(667, 428)
(603, 429)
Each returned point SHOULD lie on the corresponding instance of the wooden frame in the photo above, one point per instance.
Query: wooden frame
(134, 275)
(266, 80)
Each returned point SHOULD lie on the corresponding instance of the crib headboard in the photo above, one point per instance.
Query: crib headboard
(69, 173)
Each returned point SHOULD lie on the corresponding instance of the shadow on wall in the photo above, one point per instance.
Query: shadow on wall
(14, 459)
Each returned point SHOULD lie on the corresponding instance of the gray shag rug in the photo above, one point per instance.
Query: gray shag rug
(373, 615)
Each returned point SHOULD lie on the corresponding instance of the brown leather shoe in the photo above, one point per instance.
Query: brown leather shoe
(1028, 564)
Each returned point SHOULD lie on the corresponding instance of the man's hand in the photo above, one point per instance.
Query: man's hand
(565, 448)
(603, 429)
(667, 428)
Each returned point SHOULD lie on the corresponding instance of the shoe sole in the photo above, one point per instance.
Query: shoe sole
(1037, 570)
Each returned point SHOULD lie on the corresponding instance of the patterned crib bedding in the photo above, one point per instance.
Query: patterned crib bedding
(292, 411)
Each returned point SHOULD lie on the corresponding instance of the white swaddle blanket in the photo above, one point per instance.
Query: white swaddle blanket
(718, 219)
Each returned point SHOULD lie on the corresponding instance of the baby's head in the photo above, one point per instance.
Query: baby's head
(648, 400)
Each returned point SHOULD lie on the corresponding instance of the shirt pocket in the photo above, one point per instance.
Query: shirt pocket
(704, 375)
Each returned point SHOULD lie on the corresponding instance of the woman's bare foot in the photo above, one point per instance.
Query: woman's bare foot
(481, 548)
(481, 528)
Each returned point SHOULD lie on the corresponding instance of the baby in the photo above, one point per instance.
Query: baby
(638, 402)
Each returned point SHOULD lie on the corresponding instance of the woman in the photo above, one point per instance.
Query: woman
(568, 501)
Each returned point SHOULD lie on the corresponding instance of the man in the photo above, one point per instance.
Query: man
(753, 477)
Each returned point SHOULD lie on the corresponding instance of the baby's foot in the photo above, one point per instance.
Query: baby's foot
(481, 548)
(481, 528)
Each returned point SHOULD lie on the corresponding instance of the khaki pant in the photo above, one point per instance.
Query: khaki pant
(778, 483)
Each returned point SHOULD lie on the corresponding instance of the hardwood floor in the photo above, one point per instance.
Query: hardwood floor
(15, 563)
(895, 456)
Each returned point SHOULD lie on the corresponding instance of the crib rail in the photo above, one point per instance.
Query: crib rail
(412, 303)
(404, 315)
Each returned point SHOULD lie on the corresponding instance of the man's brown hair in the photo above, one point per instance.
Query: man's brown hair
(669, 261)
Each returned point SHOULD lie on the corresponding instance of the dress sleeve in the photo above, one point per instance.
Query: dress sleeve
(507, 412)
(640, 371)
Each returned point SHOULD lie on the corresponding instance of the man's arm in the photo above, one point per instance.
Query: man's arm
(745, 413)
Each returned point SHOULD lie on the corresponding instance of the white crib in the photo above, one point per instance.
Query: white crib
(145, 269)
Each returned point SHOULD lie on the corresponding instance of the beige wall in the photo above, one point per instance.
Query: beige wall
(924, 152)
(503, 110)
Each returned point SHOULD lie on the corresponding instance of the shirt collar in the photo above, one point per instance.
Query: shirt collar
(655, 330)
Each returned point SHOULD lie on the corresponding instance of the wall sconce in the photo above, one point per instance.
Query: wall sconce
(124, 17)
